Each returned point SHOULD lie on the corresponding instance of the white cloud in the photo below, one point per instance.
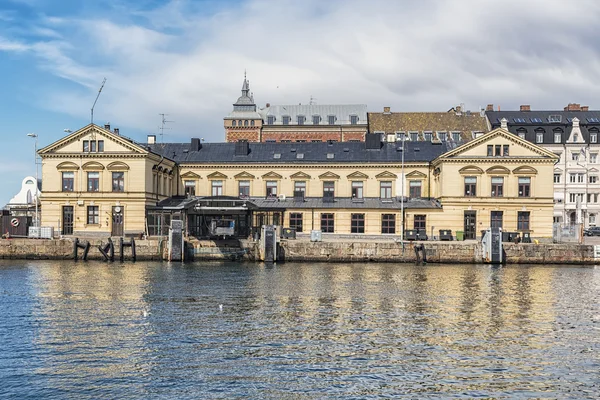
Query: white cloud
(411, 55)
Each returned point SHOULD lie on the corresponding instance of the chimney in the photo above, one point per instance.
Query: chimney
(504, 123)
(585, 108)
(575, 122)
(107, 126)
(525, 107)
(458, 110)
(268, 105)
(241, 148)
(373, 141)
(151, 139)
(195, 145)
(116, 131)
(490, 107)
(573, 107)
(386, 110)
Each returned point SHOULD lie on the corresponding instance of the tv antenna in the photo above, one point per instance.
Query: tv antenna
(312, 100)
(94, 105)
(162, 126)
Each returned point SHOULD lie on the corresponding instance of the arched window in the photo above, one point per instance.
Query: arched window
(240, 122)
(245, 122)
(233, 123)
(252, 123)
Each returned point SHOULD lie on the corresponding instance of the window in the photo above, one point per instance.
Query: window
(329, 189)
(554, 118)
(245, 122)
(93, 181)
(357, 189)
(414, 136)
(523, 221)
(419, 222)
(536, 120)
(86, 146)
(592, 219)
(300, 186)
(240, 122)
(497, 186)
(442, 136)
(524, 187)
(594, 120)
(557, 137)
(271, 188)
(574, 156)
(270, 120)
(93, 215)
(296, 221)
(316, 119)
(580, 178)
(414, 191)
(593, 179)
(327, 223)
(427, 136)
(217, 188)
(388, 223)
(539, 137)
(233, 123)
(244, 188)
(316, 140)
(519, 120)
(100, 145)
(593, 158)
(68, 181)
(301, 119)
(490, 150)
(470, 186)
(118, 181)
(498, 151)
(496, 219)
(505, 150)
(385, 189)
(572, 197)
(521, 132)
(286, 119)
(93, 146)
(331, 119)
(354, 119)
(189, 188)
(556, 178)
(456, 136)
(357, 223)
(593, 137)
(252, 123)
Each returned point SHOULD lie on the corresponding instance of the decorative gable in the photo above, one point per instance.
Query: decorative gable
(470, 170)
(416, 174)
(244, 175)
(117, 166)
(497, 170)
(67, 166)
(92, 166)
(386, 175)
(358, 175)
(300, 175)
(329, 175)
(525, 170)
(190, 175)
(271, 175)
(217, 175)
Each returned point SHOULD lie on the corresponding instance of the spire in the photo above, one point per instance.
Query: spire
(245, 86)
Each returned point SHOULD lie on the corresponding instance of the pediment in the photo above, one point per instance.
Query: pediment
(73, 142)
(525, 170)
(329, 175)
(117, 166)
(217, 175)
(67, 166)
(386, 175)
(92, 166)
(244, 175)
(300, 175)
(470, 170)
(558, 170)
(416, 174)
(191, 175)
(497, 170)
(358, 175)
(271, 175)
(593, 170)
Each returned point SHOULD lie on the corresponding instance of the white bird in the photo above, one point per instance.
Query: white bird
(221, 307)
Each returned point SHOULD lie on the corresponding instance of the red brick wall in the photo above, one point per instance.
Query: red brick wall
(354, 136)
(249, 134)
(308, 136)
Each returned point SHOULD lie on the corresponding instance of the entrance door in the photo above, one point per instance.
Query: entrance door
(117, 221)
(470, 224)
(67, 220)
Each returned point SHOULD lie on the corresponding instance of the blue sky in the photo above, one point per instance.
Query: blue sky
(187, 58)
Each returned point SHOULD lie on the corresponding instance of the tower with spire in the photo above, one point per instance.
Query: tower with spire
(244, 122)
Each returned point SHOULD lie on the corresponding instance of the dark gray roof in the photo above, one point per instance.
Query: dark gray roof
(352, 152)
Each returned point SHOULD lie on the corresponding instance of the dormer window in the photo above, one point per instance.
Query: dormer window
(270, 120)
(427, 135)
(539, 137)
(554, 118)
(316, 119)
(456, 137)
(301, 119)
(441, 136)
(286, 119)
(557, 137)
(521, 132)
(331, 119)
(593, 137)
(575, 137)
(414, 136)
(354, 119)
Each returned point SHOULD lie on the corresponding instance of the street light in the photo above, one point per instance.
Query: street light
(37, 221)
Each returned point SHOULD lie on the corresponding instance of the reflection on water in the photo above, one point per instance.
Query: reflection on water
(147, 330)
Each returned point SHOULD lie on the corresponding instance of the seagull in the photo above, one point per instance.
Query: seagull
(221, 307)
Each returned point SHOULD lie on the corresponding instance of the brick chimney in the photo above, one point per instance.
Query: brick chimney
(573, 107)
(525, 107)
(386, 110)
(585, 108)
(490, 107)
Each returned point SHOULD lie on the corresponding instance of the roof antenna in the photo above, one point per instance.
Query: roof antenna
(312, 100)
(162, 126)
(94, 105)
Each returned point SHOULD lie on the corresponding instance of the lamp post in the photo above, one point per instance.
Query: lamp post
(37, 221)
(402, 195)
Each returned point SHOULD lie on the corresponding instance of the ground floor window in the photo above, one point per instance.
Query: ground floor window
(357, 223)
(296, 221)
(523, 221)
(419, 222)
(388, 223)
(93, 215)
(158, 223)
(496, 219)
(327, 223)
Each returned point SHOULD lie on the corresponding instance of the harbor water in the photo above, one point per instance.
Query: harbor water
(89, 330)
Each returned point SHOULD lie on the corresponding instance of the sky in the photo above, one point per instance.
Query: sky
(186, 58)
